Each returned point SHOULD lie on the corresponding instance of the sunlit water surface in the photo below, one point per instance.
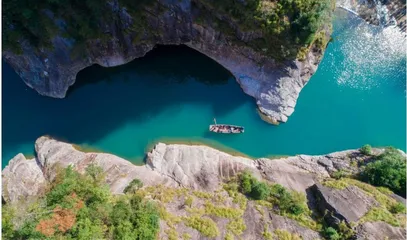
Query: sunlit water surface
(356, 97)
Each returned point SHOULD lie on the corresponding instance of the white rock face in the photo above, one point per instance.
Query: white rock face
(196, 167)
(22, 179)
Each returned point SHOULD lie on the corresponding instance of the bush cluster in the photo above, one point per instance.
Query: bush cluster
(80, 206)
(388, 170)
(286, 201)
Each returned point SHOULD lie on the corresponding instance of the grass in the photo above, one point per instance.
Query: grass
(236, 226)
(225, 212)
(337, 184)
(285, 235)
(206, 226)
(381, 214)
(172, 234)
(229, 236)
(169, 218)
(186, 236)
(205, 195)
(188, 201)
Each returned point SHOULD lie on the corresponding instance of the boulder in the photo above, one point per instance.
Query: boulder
(349, 204)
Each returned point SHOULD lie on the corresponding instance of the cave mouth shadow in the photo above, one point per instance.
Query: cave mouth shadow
(176, 62)
(105, 99)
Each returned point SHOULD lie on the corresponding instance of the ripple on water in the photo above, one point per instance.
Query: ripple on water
(373, 50)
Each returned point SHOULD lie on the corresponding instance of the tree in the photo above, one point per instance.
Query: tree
(366, 150)
(133, 186)
(331, 234)
(389, 170)
(260, 191)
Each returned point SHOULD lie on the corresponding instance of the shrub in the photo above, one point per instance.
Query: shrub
(285, 235)
(331, 234)
(340, 174)
(398, 208)
(366, 150)
(260, 191)
(80, 206)
(389, 170)
(133, 186)
(205, 226)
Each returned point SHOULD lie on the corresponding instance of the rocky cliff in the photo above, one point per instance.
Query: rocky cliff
(272, 73)
(174, 173)
(378, 12)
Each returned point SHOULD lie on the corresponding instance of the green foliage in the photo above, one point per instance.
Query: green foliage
(36, 21)
(7, 227)
(225, 212)
(389, 170)
(188, 201)
(338, 184)
(260, 191)
(380, 214)
(331, 234)
(344, 231)
(236, 226)
(366, 150)
(133, 186)
(398, 208)
(81, 207)
(285, 235)
(205, 226)
(287, 25)
(246, 181)
(340, 174)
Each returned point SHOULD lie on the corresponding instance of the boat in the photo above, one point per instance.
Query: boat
(225, 128)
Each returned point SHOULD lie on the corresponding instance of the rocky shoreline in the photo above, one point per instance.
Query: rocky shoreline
(204, 169)
(274, 85)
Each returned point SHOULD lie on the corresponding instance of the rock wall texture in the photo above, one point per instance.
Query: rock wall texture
(204, 169)
(275, 86)
(378, 12)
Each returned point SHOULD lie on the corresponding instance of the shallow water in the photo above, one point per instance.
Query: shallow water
(356, 97)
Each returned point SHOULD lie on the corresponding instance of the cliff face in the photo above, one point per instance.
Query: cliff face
(379, 12)
(274, 85)
(199, 172)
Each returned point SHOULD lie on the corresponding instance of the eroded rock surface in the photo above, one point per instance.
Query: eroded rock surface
(349, 204)
(175, 172)
(377, 230)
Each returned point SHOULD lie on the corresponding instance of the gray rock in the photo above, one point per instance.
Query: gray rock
(349, 204)
(380, 231)
(22, 180)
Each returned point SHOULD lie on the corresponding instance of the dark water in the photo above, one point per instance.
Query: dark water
(356, 97)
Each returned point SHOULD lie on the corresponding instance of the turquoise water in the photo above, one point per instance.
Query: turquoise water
(356, 97)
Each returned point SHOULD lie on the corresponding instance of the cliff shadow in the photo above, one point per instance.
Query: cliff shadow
(103, 99)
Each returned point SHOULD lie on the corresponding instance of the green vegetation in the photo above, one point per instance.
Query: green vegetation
(287, 202)
(236, 226)
(389, 170)
(338, 184)
(342, 233)
(380, 214)
(225, 212)
(331, 234)
(81, 207)
(285, 235)
(205, 226)
(366, 150)
(340, 174)
(133, 186)
(275, 197)
(287, 25)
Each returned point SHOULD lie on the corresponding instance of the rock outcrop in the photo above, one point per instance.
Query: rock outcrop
(378, 12)
(275, 86)
(349, 204)
(198, 172)
(376, 230)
